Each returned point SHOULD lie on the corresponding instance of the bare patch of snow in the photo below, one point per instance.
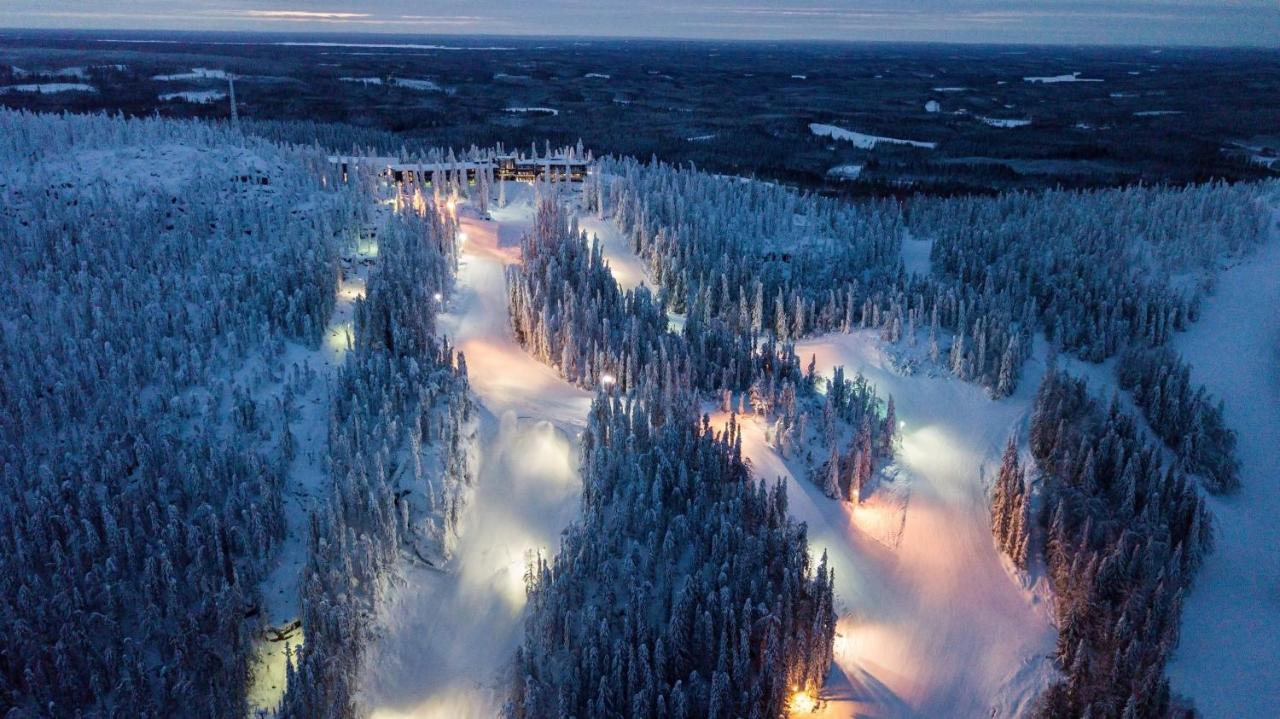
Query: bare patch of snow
(200, 97)
(863, 141)
(415, 84)
(598, 75)
(363, 80)
(845, 172)
(47, 87)
(1073, 77)
(533, 110)
(1003, 122)
(197, 73)
(933, 106)
(1156, 113)
(950, 89)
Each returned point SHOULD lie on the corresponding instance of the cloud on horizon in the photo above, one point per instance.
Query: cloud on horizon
(1160, 22)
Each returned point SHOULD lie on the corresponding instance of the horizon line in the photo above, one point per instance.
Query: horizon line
(641, 37)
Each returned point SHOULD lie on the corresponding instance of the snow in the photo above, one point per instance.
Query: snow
(197, 73)
(415, 84)
(201, 97)
(598, 75)
(535, 110)
(931, 622)
(164, 166)
(860, 140)
(933, 106)
(46, 87)
(627, 267)
(1003, 122)
(1229, 658)
(915, 255)
(1073, 77)
(1156, 113)
(950, 89)
(698, 138)
(845, 172)
(799, 77)
(306, 479)
(363, 80)
(445, 636)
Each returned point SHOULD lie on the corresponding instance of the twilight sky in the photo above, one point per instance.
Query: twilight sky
(1196, 22)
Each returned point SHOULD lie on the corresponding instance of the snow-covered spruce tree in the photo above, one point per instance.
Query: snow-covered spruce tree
(1184, 417)
(856, 427)
(1124, 537)
(401, 400)
(147, 262)
(1010, 508)
(685, 590)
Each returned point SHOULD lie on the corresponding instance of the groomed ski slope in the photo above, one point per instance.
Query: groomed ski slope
(931, 622)
(446, 635)
(1228, 661)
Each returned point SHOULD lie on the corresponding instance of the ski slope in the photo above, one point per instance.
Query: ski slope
(445, 637)
(931, 622)
(1228, 661)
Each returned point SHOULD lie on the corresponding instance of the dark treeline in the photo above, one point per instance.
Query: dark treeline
(1182, 415)
(1124, 538)
(142, 485)
(685, 591)
(400, 434)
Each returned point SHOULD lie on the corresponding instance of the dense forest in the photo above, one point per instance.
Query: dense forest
(400, 455)
(685, 590)
(1124, 536)
(142, 491)
(162, 271)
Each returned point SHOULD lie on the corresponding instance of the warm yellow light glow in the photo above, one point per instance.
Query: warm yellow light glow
(802, 702)
(462, 237)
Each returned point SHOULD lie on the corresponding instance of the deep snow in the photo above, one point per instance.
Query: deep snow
(1229, 657)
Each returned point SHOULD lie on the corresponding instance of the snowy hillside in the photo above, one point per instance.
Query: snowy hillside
(295, 435)
(1234, 349)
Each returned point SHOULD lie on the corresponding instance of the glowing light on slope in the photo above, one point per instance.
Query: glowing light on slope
(266, 689)
(802, 702)
(340, 337)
